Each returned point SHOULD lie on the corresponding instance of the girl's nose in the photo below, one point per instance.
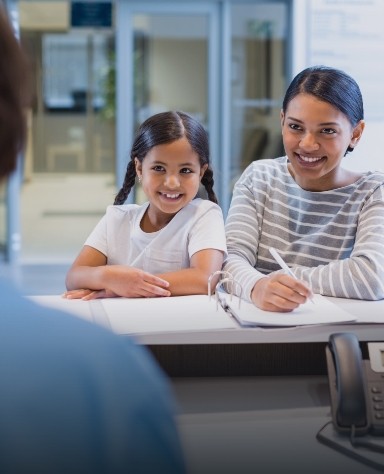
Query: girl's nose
(172, 181)
(308, 142)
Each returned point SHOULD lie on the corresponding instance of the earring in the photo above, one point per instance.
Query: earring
(140, 178)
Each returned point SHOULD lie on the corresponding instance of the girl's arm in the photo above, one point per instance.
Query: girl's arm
(91, 272)
(194, 280)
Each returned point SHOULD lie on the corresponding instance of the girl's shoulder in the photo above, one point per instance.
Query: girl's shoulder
(202, 206)
(125, 210)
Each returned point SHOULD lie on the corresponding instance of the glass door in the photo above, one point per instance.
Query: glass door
(68, 171)
(167, 61)
(259, 55)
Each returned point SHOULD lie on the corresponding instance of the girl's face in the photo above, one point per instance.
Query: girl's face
(171, 175)
(316, 136)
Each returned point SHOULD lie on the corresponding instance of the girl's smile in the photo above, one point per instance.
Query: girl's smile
(171, 175)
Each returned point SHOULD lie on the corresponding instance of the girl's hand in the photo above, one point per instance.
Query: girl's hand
(280, 292)
(87, 295)
(133, 283)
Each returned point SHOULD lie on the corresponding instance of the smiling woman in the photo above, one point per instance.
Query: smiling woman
(171, 244)
(326, 222)
(316, 136)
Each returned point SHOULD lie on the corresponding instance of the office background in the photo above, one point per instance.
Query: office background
(226, 62)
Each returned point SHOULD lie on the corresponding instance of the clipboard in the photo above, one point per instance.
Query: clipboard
(323, 311)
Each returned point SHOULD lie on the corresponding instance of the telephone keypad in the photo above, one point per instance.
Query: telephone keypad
(375, 400)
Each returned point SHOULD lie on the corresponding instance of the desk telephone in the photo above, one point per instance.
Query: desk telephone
(356, 385)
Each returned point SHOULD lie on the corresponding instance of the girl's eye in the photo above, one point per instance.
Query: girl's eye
(185, 170)
(328, 131)
(158, 168)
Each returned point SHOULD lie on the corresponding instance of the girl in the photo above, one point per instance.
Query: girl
(326, 222)
(171, 244)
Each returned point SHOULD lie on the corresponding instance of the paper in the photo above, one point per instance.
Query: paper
(323, 311)
(173, 314)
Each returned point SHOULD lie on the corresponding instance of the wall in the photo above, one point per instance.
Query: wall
(347, 34)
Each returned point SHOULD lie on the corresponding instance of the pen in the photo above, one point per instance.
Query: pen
(284, 266)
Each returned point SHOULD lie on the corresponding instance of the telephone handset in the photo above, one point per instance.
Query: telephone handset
(356, 385)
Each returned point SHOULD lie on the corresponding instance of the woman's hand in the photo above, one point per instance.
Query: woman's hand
(280, 292)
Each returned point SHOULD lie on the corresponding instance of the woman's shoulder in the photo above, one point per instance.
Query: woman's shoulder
(369, 181)
(271, 164)
(265, 170)
(374, 177)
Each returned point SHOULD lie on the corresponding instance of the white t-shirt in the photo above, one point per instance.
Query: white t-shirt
(197, 226)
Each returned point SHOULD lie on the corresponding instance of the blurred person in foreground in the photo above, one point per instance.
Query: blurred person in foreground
(74, 398)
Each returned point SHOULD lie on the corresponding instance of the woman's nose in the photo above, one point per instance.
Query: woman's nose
(309, 142)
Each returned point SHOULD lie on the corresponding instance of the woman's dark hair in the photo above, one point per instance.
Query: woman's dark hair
(162, 128)
(13, 96)
(329, 85)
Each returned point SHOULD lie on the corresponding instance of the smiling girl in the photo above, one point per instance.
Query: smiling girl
(171, 244)
(326, 222)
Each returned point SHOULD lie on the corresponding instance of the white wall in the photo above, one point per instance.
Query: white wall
(349, 35)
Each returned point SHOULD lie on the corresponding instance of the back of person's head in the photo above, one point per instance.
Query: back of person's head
(13, 94)
(162, 128)
(329, 85)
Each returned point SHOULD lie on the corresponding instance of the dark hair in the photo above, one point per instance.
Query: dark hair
(162, 128)
(329, 85)
(13, 95)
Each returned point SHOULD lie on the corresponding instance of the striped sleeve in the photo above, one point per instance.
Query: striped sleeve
(333, 240)
(242, 233)
(361, 275)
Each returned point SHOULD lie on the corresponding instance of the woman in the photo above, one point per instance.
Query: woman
(326, 222)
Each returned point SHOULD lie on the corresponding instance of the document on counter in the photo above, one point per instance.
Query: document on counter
(320, 310)
(221, 311)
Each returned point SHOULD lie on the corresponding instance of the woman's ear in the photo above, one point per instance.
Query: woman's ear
(357, 133)
(281, 118)
(203, 169)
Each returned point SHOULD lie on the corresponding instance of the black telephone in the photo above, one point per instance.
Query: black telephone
(356, 385)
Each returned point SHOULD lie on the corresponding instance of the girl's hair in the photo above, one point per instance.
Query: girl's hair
(329, 85)
(162, 128)
(14, 92)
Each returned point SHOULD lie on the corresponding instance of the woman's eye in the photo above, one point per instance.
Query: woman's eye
(294, 126)
(158, 168)
(185, 170)
(328, 131)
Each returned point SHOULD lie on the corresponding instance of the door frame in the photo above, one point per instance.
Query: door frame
(125, 87)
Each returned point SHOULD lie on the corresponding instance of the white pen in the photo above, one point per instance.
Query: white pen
(284, 266)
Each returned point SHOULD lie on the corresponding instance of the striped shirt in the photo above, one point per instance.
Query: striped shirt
(333, 240)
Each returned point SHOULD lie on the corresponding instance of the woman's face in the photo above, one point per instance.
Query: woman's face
(316, 136)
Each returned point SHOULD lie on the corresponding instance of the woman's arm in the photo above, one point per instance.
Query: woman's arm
(277, 291)
(242, 233)
(194, 280)
(360, 276)
(91, 272)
